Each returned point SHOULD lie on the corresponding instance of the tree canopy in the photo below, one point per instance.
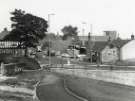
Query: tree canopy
(69, 31)
(26, 28)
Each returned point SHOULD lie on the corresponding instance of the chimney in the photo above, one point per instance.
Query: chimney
(5, 29)
(132, 37)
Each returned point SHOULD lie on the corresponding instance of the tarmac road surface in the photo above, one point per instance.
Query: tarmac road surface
(52, 89)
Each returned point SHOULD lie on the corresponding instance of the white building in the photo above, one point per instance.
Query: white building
(128, 51)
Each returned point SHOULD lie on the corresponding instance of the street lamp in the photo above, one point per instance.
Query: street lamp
(49, 31)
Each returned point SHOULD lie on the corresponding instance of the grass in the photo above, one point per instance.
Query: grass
(26, 63)
(19, 83)
(32, 75)
(54, 60)
(26, 80)
(7, 96)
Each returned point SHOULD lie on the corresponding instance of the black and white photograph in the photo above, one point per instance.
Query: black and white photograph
(67, 50)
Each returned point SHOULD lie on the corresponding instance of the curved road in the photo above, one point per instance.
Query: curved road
(52, 89)
(97, 90)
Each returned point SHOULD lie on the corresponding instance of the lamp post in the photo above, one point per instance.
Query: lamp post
(49, 31)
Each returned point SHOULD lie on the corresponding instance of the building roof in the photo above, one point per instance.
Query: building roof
(94, 38)
(119, 42)
(98, 46)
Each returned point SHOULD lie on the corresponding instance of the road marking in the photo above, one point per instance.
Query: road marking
(72, 93)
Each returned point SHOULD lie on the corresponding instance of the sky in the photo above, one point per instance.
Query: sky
(92, 15)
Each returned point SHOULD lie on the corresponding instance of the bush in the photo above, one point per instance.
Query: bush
(25, 63)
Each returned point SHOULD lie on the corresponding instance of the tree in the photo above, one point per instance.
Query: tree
(69, 31)
(27, 28)
(47, 41)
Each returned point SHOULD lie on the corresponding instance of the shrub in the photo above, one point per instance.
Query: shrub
(25, 63)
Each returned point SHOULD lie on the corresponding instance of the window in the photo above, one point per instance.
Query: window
(109, 53)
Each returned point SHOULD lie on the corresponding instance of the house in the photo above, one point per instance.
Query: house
(96, 51)
(108, 51)
(111, 52)
(127, 51)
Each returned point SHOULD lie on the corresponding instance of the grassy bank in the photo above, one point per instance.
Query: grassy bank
(25, 80)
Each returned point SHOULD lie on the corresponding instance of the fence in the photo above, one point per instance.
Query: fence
(12, 47)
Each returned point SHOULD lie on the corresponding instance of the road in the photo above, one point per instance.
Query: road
(95, 90)
(52, 89)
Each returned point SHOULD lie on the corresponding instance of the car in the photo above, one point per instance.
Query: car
(65, 55)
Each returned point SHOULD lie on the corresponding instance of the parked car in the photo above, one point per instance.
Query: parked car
(65, 55)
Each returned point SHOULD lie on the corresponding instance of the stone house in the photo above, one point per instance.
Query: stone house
(96, 51)
(108, 52)
(111, 52)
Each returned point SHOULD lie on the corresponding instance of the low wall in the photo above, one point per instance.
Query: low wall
(121, 77)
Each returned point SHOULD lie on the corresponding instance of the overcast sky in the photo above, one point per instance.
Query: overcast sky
(116, 15)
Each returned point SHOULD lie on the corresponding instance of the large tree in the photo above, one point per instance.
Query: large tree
(69, 31)
(26, 28)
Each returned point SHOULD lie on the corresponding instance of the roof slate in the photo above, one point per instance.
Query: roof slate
(94, 38)
(99, 46)
(119, 42)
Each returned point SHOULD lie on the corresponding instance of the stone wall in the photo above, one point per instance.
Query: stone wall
(121, 77)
